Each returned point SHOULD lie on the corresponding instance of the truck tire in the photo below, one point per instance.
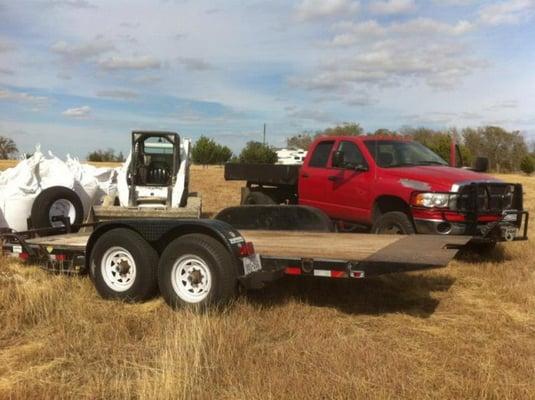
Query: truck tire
(258, 198)
(394, 223)
(197, 271)
(56, 201)
(123, 266)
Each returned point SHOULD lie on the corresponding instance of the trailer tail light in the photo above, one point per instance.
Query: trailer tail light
(24, 256)
(246, 249)
(61, 257)
(292, 271)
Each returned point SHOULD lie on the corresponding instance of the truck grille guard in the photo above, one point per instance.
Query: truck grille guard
(490, 198)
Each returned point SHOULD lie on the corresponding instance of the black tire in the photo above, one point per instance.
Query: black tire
(258, 198)
(144, 284)
(394, 222)
(210, 261)
(40, 215)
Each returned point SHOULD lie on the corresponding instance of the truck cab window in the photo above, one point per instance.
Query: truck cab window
(352, 155)
(321, 155)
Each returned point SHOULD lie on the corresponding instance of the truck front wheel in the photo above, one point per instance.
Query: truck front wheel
(197, 271)
(393, 223)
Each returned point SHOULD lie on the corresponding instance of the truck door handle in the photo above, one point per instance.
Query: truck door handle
(304, 175)
(333, 178)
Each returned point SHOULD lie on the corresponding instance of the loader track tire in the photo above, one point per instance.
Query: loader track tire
(56, 201)
(393, 223)
(258, 198)
(198, 272)
(124, 266)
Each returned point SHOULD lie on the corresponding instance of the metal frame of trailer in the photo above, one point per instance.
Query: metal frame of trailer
(219, 256)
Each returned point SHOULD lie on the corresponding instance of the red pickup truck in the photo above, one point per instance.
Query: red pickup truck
(389, 185)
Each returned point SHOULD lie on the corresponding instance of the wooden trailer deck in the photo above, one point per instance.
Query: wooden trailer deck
(432, 250)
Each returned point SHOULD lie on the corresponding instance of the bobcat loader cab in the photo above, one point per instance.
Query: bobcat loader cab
(158, 170)
(153, 182)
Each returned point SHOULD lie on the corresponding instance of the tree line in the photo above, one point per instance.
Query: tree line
(507, 151)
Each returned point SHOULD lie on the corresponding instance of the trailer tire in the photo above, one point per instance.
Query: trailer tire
(56, 200)
(197, 271)
(258, 198)
(394, 222)
(123, 266)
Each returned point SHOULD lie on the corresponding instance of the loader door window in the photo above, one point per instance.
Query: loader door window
(157, 160)
(321, 155)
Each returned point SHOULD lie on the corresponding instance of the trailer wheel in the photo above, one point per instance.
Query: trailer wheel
(56, 201)
(393, 223)
(197, 271)
(256, 198)
(123, 266)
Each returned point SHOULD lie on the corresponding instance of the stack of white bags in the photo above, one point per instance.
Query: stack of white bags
(19, 186)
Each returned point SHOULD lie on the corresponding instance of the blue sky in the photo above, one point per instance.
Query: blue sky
(76, 75)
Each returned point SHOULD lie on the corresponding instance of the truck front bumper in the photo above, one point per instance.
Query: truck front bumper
(497, 231)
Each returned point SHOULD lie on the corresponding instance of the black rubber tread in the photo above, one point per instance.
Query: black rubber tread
(217, 257)
(145, 257)
(397, 218)
(41, 206)
(258, 198)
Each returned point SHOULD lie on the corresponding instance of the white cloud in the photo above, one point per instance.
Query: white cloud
(84, 51)
(194, 64)
(118, 94)
(23, 97)
(135, 62)
(390, 7)
(507, 12)
(372, 30)
(315, 9)
(77, 112)
(76, 4)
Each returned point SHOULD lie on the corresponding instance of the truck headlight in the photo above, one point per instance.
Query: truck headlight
(431, 200)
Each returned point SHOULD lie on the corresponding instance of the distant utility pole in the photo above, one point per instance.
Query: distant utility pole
(264, 137)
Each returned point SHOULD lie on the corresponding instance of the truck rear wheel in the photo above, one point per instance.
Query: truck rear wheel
(123, 266)
(257, 198)
(393, 223)
(197, 271)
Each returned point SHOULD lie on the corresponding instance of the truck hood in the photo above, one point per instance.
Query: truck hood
(439, 178)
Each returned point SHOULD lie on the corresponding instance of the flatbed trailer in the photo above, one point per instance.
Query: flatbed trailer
(202, 262)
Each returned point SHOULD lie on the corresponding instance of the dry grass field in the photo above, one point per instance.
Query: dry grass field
(466, 331)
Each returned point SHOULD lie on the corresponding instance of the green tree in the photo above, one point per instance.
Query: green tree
(207, 152)
(300, 141)
(8, 148)
(504, 149)
(345, 129)
(257, 153)
(527, 165)
(105, 156)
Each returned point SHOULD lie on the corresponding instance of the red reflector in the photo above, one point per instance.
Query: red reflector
(246, 249)
(357, 274)
(24, 256)
(60, 257)
(338, 274)
(292, 271)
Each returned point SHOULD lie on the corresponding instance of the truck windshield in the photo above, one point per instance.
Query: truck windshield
(397, 153)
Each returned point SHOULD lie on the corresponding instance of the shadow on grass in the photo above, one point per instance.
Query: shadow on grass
(475, 254)
(398, 293)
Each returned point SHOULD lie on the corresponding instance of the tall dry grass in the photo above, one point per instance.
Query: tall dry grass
(466, 331)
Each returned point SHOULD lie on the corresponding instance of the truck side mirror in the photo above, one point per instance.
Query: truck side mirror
(338, 158)
(481, 164)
